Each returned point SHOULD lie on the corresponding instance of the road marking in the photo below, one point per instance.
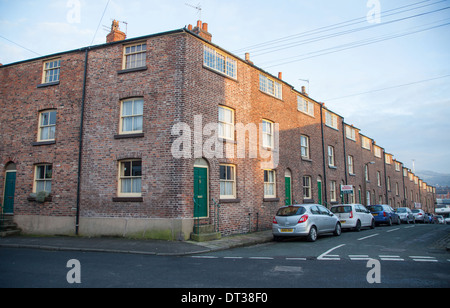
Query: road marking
(391, 258)
(325, 255)
(205, 257)
(409, 227)
(261, 258)
(359, 257)
(393, 230)
(296, 259)
(363, 238)
(423, 259)
(233, 257)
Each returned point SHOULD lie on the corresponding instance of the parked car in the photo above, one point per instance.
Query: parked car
(447, 220)
(308, 220)
(405, 215)
(420, 215)
(354, 216)
(384, 214)
(440, 219)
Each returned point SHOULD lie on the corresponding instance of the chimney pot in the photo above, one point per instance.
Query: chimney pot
(115, 34)
(190, 27)
(303, 89)
(205, 27)
(280, 75)
(199, 24)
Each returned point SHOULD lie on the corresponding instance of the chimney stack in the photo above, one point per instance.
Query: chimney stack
(280, 75)
(247, 58)
(201, 30)
(304, 91)
(115, 34)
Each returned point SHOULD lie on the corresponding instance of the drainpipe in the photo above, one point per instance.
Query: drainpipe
(345, 159)
(385, 177)
(324, 159)
(80, 138)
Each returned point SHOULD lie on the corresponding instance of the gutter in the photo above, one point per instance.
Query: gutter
(324, 186)
(80, 138)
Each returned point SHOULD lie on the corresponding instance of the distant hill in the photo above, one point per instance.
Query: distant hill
(434, 178)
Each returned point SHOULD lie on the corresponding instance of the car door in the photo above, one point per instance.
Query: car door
(365, 219)
(317, 218)
(328, 221)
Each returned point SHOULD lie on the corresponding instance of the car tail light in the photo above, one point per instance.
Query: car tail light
(351, 214)
(303, 219)
(420, 214)
(274, 220)
(384, 214)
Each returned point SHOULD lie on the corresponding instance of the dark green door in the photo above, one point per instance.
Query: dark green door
(200, 192)
(319, 192)
(10, 187)
(287, 188)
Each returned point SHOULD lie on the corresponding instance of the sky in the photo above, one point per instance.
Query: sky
(383, 65)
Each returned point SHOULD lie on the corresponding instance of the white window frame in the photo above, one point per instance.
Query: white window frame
(333, 191)
(219, 62)
(226, 126)
(377, 151)
(268, 136)
(351, 166)
(304, 146)
(350, 133)
(270, 86)
(46, 180)
(51, 71)
(331, 120)
(270, 184)
(331, 158)
(123, 177)
(133, 116)
(307, 193)
(365, 143)
(305, 106)
(378, 178)
(230, 179)
(47, 126)
(134, 58)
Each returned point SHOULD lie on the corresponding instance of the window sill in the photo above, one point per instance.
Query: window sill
(125, 136)
(332, 167)
(229, 200)
(48, 84)
(130, 70)
(39, 143)
(271, 199)
(33, 199)
(128, 199)
(306, 159)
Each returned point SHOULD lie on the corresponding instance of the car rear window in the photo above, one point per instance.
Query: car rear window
(291, 211)
(375, 208)
(415, 211)
(341, 209)
(401, 210)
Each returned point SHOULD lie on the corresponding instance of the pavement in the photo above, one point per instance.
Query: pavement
(134, 246)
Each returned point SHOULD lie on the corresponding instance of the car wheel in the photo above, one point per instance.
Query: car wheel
(312, 235)
(390, 222)
(358, 226)
(338, 229)
(372, 226)
(398, 221)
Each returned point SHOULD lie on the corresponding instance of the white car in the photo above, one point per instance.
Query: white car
(354, 216)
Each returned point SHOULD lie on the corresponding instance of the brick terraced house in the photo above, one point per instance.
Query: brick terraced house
(144, 137)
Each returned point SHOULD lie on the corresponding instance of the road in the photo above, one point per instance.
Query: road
(408, 255)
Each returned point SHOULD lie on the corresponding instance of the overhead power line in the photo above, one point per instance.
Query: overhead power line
(20, 45)
(389, 88)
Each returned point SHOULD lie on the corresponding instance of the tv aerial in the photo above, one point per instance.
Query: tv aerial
(198, 8)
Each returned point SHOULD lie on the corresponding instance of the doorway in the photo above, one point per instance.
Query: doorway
(201, 189)
(10, 188)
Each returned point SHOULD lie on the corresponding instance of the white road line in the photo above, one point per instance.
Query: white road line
(261, 258)
(296, 259)
(392, 230)
(325, 255)
(409, 227)
(391, 258)
(205, 257)
(233, 257)
(423, 259)
(359, 257)
(363, 238)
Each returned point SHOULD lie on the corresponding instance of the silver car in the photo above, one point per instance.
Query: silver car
(405, 215)
(420, 215)
(308, 220)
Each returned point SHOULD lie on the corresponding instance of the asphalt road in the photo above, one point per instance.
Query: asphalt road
(408, 256)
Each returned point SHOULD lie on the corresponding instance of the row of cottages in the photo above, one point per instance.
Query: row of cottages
(137, 137)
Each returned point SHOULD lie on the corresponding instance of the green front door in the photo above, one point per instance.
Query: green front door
(10, 187)
(200, 192)
(319, 192)
(287, 188)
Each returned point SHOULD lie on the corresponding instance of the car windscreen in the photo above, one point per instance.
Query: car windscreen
(291, 211)
(341, 209)
(401, 210)
(375, 208)
(415, 211)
